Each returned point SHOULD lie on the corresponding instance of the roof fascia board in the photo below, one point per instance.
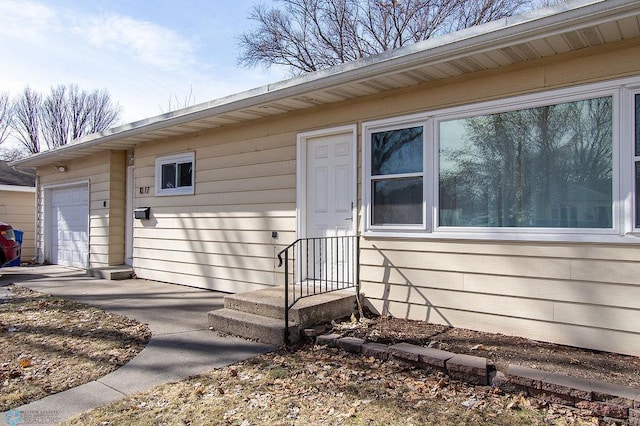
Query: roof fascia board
(17, 188)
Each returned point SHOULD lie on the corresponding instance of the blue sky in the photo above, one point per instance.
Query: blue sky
(143, 52)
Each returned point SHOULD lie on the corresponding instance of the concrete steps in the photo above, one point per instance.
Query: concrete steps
(112, 273)
(259, 315)
(252, 326)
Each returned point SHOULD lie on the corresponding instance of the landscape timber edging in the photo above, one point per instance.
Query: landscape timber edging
(610, 401)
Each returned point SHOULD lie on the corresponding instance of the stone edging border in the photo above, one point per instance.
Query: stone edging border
(612, 402)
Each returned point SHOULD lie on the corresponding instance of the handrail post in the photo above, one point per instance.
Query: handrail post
(286, 297)
(357, 267)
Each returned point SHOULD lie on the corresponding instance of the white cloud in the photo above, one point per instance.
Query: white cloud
(141, 63)
(25, 19)
(151, 43)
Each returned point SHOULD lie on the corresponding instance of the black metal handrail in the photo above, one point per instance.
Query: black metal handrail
(318, 265)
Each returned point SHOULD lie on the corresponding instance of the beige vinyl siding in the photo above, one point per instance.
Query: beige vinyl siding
(39, 223)
(105, 173)
(116, 205)
(220, 237)
(18, 208)
(512, 288)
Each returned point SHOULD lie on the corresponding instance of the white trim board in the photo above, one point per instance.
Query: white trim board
(17, 188)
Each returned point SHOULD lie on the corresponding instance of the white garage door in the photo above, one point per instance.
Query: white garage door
(70, 226)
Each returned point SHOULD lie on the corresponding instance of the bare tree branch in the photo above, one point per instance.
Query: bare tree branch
(26, 119)
(175, 103)
(78, 111)
(55, 117)
(90, 112)
(65, 114)
(12, 153)
(5, 116)
(308, 35)
(103, 113)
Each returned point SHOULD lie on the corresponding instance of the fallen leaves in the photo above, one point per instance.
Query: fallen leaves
(326, 386)
(313, 385)
(50, 344)
(517, 402)
(500, 350)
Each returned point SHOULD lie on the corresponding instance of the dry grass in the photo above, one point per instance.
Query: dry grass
(49, 344)
(326, 386)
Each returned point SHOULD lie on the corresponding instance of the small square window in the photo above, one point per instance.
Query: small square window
(174, 175)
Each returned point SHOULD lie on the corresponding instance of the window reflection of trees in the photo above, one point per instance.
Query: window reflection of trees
(549, 166)
(397, 200)
(637, 135)
(397, 151)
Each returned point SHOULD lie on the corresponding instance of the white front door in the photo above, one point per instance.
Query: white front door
(329, 201)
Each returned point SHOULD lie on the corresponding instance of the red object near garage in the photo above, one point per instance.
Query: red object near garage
(9, 246)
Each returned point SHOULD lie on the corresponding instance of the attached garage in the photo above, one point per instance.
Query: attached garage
(69, 226)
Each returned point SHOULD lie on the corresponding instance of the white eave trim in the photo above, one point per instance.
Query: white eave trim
(17, 188)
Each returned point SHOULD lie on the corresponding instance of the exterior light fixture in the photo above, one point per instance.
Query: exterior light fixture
(61, 168)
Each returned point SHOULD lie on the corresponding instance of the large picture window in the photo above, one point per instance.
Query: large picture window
(174, 175)
(562, 165)
(543, 167)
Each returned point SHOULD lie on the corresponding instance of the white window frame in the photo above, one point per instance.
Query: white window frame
(175, 159)
(635, 157)
(623, 164)
(420, 120)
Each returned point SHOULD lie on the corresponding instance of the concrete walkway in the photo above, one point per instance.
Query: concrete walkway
(181, 344)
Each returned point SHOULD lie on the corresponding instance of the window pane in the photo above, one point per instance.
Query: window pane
(397, 201)
(396, 151)
(637, 163)
(638, 125)
(638, 194)
(184, 174)
(549, 166)
(168, 176)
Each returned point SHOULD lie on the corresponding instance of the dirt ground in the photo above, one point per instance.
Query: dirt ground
(327, 386)
(501, 350)
(50, 344)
